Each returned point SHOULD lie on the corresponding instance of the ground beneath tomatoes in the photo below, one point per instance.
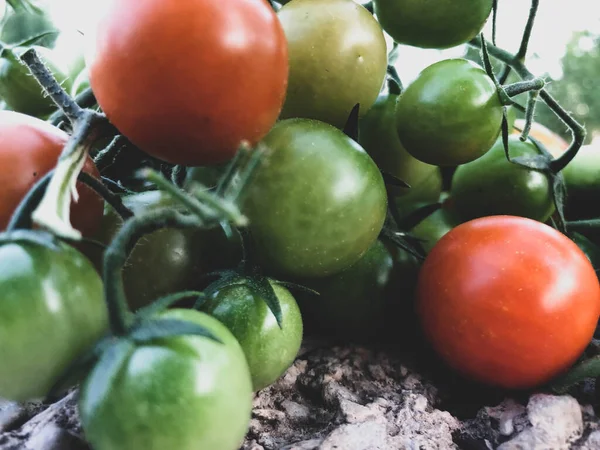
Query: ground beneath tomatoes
(355, 398)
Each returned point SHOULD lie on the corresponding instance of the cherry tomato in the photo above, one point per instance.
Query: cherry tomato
(451, 114)
(52, 310)
(168, 260)
(508, 301)
(20, 91)
(184, 392)
(379, 138)
(29, 148)
(421, 194)
(187, 81)
(269, 349)
(491, 185)
(582, 178)
(338, 58)
(318, 201)
(440, 25)
(355, 304)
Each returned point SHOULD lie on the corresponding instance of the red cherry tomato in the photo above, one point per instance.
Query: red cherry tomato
(188, 80)
(508, 301)
(29, 149)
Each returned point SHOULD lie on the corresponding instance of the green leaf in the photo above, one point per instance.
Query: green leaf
(351, 126)
(165, 302)
(164, 328)
(403, 242)
(263, 288)
(106, 370)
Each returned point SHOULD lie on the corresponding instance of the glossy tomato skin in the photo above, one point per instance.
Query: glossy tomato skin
(355, 304)
(442, 24)
(451, 114)
(51, 311)
(168, 260)
(338, 58)
(29, 148)
(491, 185)
(318, 201)
(185, 393)
(187, 81)
(379, 138)
(269, 350)
(508, 301)
(20, 91)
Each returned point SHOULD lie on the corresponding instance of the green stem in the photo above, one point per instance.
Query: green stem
(118, 251)
(583, 225)
(21, 218)
(44, 77)
(505, 73)
(527, 32)
(85, 100)
(494, 20)
(521, 87)
(529, 114)
(110, 198)
(519, 67)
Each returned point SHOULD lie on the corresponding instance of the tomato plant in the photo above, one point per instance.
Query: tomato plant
(168, 260)
(318, 201)
(338, 58)
(355, 304)
(29, 148)
(51, 310)
(184, 392)
(18, 26)
(424, 193)
(582, 178)
(379, 138)
(432, 228)
(442, 25)
(508, 301)
(189, 97)
(555, 144)
(492, 185)
(20, 90)
(451, 114)
(269, 349)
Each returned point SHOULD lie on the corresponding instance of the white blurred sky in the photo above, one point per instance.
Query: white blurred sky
(557, 21)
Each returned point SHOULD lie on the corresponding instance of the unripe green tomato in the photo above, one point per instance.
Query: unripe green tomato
(168, 260)
(21, 91)
(431, 229)
(450, 115)
(269, 350)
(424, 193)
(582, 178)
(491, 185)
(356, 303)
(440, 24)
(176, 393)
(338, 58)
(379, 138)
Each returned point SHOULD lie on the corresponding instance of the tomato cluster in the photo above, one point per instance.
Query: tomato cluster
(365, 203)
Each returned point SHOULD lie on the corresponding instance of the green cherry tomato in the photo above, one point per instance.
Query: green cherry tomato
(355, 303)
(318, 201)
(451, 114)
(269, 350)
(168, 260)
(379, 138)
(338, 58)
(184, 392)
(427, 24)
(493, 186)
(426, 192)
(431, 229)
(52, 310)
(21, 91)
(582, 178)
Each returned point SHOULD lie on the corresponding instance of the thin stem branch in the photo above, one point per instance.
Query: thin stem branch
(494, 20)
(44, 77)
(21, 218)
(110, 198)
(520, 87)
(529, 113)
(86, 99)
(528, 29)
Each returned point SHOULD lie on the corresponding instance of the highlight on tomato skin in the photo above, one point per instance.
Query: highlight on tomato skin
(187, 81)
(508, 301)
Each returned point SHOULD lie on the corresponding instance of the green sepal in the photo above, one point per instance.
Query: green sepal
(262, 287)
(164, 303)
(392, 180)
